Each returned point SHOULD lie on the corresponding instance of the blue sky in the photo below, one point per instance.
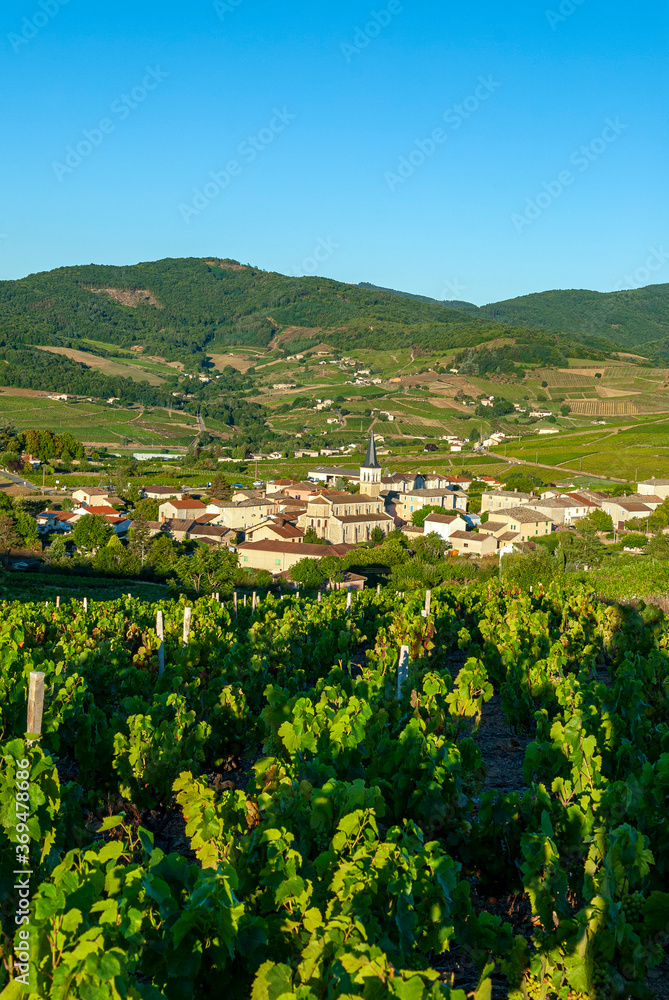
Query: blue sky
(455, 150)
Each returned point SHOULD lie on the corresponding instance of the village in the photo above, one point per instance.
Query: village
(274, 526)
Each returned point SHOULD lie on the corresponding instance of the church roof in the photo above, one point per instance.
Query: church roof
(370, 457)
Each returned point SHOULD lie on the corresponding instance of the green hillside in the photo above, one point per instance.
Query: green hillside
(635, 320)
(182, 309)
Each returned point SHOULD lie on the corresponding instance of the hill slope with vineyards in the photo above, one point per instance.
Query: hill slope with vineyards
(278, 813)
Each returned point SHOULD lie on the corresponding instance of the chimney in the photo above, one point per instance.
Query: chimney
(515, 489)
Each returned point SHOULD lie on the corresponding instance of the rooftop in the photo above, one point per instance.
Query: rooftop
(524, 515)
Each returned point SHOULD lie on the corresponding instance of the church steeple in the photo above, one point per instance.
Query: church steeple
(370, 471)
(370, 457)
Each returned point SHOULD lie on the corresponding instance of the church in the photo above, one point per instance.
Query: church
(370, 471)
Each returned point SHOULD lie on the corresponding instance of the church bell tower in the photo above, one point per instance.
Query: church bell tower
(370, 471)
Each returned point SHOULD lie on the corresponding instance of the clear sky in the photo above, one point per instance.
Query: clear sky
(472, 151)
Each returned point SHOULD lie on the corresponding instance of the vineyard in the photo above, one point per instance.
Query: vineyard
(603, 408)
(294, 800)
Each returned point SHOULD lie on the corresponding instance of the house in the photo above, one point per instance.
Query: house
(402, 482)
(276, 529)
(329, 474)
(176, 528)
(276, 557)
(171, 509)
(414, 501)
(654, 487)
(279, 485)
(212, 534)
(490, 481)
(55, 520)
(622, 509)
(468, 543)
(503, 499)
(524, 521)
(650, 499)
(559, 509)
(90, 495)
(242, 515)
(162, 492)
(412, 532)
(444, 524)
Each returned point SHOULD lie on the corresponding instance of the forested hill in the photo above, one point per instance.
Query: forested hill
(632, 319)
(184, 308)
(636, 319)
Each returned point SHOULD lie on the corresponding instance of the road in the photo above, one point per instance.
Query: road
(20, 481)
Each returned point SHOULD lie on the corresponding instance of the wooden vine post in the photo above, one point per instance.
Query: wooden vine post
(58, 601)
(349, 601)
(402, 669)
(35, 703)
(234, 603)
(160, 632)
(85, 605)
(187, 616)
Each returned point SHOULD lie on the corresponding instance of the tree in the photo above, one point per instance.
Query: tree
(91, 532)
(377, 537)
(311, 538)
(565, 409)
(601, 520)
(418, 516)
(26, 526)
(308, 573)
(139, 540)
(9, 538)
(146, 509)
(56, 554)
(474, 435)
(331, 568)
(634, 540)
(115, 558)
(207, 570)
(658, 547)
(132, 495)
(431, 548)
(220, 488)
(163, 554)
(583, 547)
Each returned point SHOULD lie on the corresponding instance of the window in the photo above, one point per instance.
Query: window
(277, 562)
(246, 558)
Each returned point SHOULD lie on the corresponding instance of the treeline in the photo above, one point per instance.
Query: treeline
(629, 318)
(41, 370)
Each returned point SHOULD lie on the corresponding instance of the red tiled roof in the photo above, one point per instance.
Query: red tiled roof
(187, 504)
